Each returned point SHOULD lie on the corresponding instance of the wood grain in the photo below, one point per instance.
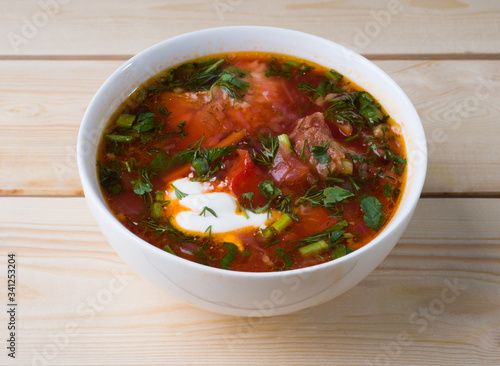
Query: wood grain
(378, 27)
(458, 103)
(79, 304)
(43, 103)
(433, 301)
(41, 111)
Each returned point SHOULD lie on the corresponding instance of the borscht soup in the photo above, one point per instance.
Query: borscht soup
(253, 162)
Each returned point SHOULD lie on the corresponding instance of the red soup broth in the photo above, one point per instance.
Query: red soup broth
(299, 146)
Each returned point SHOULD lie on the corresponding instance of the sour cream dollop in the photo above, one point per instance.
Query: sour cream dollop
(200, 203)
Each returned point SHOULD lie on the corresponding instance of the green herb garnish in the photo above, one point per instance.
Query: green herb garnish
(324, 88)
(373, 210)
(231, 83)
(320, 152)
(228, 258)
(266, 155)
(206, 75)
(209, 230)
(180, 195)
(143, 183)
(357, 157)
(145, 122)
(333, 75)
(110, 177)
(343, 110)
(387, 190)
(166, 228)
(369, 109)
(398, 162)
(340, 251)
(285, 69)
(168, 249)
(207, 162)
(204, 211)
(325, 234)
(335, 194)
(287, 258)
(268, 190)
(324, 197)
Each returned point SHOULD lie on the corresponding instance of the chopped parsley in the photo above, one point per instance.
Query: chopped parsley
(326, 234)
(324, 88)
(205, 76)
(229, 80)
(324, 197)
(286, 69)
(372, 208)
(320, 152)
(143, 183)
(335, 194)
(268, 190)
(231, 254)
(110, 177)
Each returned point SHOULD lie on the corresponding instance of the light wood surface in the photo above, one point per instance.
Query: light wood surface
(435, 300)
(377, 27)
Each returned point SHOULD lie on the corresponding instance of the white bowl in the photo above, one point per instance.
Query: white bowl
(241, 293)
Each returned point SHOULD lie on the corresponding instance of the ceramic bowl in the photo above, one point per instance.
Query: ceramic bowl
(241, 293)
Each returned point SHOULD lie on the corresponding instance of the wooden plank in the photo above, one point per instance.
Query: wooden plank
(43, 103)
(434, 300)
(41, 111)
(458, 102)
(57, 27)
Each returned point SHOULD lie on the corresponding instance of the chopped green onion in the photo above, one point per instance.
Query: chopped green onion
(292, 63)
(313, 248)
(333, 75)
(284, 140)
(156, 207)
(282, 223)
(268, 233)
(156, 210)
(119, 138)
(277, 227)
(125, 120)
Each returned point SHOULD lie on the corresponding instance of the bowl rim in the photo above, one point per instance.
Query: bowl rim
(94, 196)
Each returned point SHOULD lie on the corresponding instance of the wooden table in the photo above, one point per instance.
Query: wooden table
(434, 301)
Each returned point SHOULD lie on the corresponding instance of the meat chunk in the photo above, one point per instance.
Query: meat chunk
(314, 131)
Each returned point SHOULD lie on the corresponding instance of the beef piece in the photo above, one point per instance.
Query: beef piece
(314, 129)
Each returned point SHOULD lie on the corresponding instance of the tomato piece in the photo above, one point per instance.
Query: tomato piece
(244, 176)
(311, 221)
